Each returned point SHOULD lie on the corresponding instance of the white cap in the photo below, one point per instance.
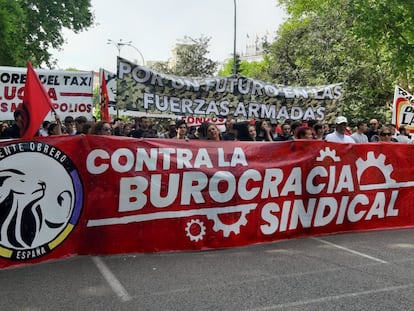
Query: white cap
(340, 120)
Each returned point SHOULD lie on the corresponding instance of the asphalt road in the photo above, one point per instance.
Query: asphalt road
(358, 271)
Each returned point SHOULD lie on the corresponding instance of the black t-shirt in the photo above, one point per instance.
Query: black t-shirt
(283, 138)
(139, 133)
(11, 132)
(228, 136)
(373, 136)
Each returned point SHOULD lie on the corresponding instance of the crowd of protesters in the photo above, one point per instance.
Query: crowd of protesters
(253, 130)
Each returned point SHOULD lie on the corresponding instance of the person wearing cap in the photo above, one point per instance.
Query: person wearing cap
(339, 136)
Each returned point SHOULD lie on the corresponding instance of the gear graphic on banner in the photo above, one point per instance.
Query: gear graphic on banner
(327, 152)
(190, 228)
(378, 162)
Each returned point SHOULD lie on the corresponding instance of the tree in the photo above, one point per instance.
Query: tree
(161, 66)
(11, 18)
(319, 47)
(29, 28)
(252, 70)
(192, 60)
(236, 64)
(385, 27)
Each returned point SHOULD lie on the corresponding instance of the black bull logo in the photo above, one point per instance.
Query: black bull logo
(26, 214)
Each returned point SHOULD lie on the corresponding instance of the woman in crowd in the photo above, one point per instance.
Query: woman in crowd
(54, 129)
(192, 132)
(181, 128)
(102, 128)
(87, 128)
(263, 131)
(385, 135)
(126, 130)
(202, 130)
(3, 127)
(303, 133)
(213, 132)
(318, 130)
(252, 132)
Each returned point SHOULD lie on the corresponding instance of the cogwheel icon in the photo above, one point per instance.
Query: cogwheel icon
(227, 229)
(201, 230)
(372, 161)
(327, 152)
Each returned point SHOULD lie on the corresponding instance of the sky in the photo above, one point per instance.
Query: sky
(154, 26)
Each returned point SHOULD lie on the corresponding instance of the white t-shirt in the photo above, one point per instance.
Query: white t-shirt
(359, 138)
(403, 139)
(339, 138)
(43, 132)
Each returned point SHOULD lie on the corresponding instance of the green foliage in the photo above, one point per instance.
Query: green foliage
(387, 27)
(192, 59)
(161, 67)
(227, 69)
(252, 70)
(96, 102)
(28, 28)
(11, 19)
(236, 64)
(321, 44)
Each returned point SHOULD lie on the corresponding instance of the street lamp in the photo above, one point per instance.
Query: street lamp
(234, 44)
(119, 45)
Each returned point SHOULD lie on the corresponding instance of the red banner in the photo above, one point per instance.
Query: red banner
(36, 104)
(84, 195)
(104, 99)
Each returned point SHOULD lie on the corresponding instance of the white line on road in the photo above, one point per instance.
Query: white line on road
(332, 298)
(111, 279)
(350, 250)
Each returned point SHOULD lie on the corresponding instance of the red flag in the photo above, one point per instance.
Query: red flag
(36, 104)
(104, 100)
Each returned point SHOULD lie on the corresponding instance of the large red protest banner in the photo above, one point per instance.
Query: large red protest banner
(84, 195)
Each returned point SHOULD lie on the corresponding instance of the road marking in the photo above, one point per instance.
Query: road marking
(332, 298)
(113, 282)
(350, 250)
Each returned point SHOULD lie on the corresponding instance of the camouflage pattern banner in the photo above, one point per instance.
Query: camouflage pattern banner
(144, 90)
(86, 195)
